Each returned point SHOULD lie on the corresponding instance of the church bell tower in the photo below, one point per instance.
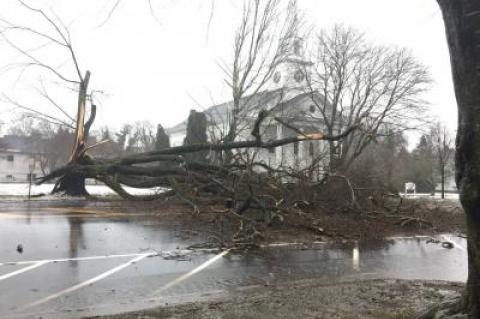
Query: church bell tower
(293, 70)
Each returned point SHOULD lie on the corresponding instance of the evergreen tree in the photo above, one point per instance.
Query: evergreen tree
(162, 140)
(196, 134)
(422, 171)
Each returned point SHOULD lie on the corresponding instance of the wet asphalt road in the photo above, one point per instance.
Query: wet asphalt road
(90, 260)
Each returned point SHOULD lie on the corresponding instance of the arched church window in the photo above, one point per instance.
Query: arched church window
(299, 75)
(297, 47)
(277, 76)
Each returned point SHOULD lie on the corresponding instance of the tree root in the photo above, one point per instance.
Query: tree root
(449, 309)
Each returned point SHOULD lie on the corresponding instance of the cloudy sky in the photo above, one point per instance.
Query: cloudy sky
(158, 67)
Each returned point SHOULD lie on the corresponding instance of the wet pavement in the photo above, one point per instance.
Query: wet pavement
(94, 259)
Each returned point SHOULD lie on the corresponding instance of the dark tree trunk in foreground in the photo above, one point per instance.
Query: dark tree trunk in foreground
(462, 24)
(71, 184)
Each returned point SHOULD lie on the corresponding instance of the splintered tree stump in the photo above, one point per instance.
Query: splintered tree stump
(71, 184)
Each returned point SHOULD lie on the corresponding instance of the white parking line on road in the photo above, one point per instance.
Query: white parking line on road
(192, 272)
(28, 262)
(21, 271)
(86, 283)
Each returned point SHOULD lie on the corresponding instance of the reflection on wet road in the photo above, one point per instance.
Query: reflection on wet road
(92, 260)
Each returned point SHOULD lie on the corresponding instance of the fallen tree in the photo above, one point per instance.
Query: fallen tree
(232, 188)
(242, 180)
(173, 169)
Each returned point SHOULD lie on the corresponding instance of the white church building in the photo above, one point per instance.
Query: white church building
(285, 97)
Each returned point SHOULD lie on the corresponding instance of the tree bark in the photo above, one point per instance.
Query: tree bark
(73, 184)
(462, 25)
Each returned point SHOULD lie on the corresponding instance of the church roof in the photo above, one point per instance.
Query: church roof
(278, 102)
(219, 113)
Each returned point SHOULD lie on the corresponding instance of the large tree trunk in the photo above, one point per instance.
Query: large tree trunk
(462, 24)
(73, 184)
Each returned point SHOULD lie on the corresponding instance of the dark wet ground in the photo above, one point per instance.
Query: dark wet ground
(96, 243)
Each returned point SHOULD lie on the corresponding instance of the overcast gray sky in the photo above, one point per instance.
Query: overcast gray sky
(158, 68)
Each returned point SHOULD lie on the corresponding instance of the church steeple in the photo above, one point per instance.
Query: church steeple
(293, 70)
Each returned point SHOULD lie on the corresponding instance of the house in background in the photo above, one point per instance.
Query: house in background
(286, 97)
(18, 162)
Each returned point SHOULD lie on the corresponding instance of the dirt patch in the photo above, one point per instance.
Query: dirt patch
(358, 299)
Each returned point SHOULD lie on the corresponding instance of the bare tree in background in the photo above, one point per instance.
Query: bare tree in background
(443, 150)
(116, 4)
(356, 83)
(25, 125)
(49, 142)
(261, 39)
(141, 137)
(56, 34)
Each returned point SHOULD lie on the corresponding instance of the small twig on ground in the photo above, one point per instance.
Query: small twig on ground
(404, 221)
